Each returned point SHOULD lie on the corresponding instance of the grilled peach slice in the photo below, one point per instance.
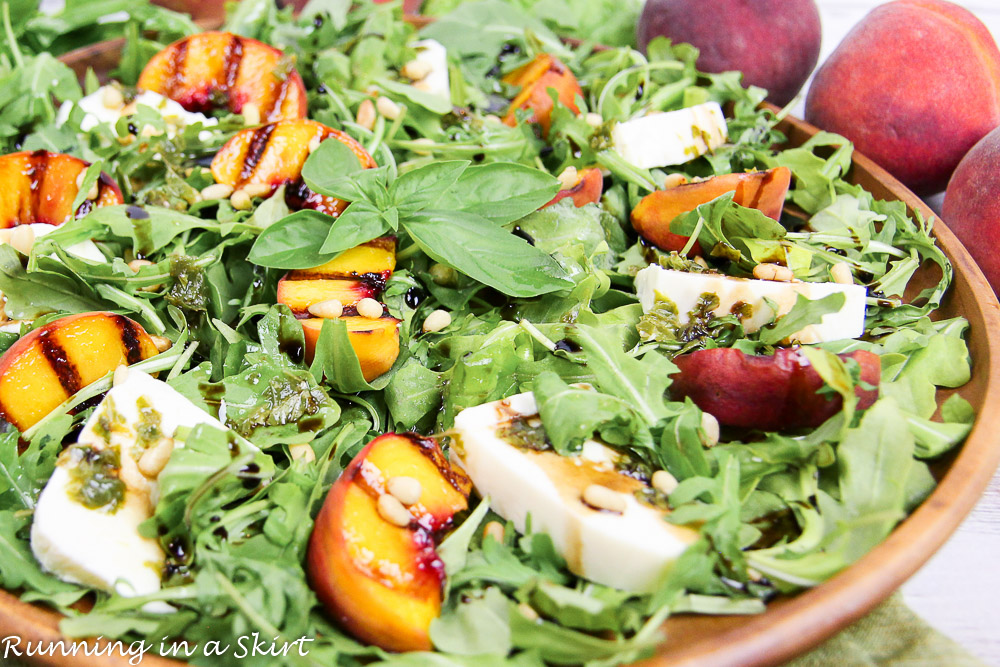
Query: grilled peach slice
(53, 362)
(588, 188)
(376, 258)
(764, 392)
(300, 294)
(273, 155)
(377, 571)
(535, 78)
(376, 342)
(213, 70)
(40, 187)
(762, 190)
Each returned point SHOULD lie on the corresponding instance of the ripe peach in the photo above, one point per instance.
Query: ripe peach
(972, 205)
(764, 392)
(40, 187)
(588, 188)
(274, 154)
(535, 79)
(53, 362)
(762, 190)
(914, 85)
(775, 43)
(382, 580)
(376, 342)
(212, 70)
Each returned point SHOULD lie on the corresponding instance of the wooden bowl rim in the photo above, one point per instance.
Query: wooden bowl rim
(812, 616)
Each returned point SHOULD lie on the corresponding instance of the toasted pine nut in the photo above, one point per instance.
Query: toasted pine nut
(406, 490)
(390, 509)
(568, 178)
(437, 320)
(121, 374)
(150, 131)
(423, 141)
(5, 235)
(664, 482)
(495, 530)
(137, 264)
(841, 272)
(80, 178)
(217, 191)
(162, 343)
(154, 459)
(257, 189)
(94, 192)
(603, 498)
(528, 611)
(314, 144)
(251, 114)
(700, 261)
(416, 70)
(710, 430)
(366, 115)
(594, 119)
(240, 200)
(112, 98)
(370, 308)
(330, 309)
(302, 452)
(493, 118)
(673, 180)
(22, 239)
(388, 108)
(776, 272)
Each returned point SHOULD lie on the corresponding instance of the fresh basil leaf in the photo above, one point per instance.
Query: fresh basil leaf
(485, 252)
(329, 169)
(360, 222)
(294, 242)
(423, 187)
(501, 191)
(804, 313)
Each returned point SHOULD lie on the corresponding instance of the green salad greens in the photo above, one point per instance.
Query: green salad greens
(540, 299)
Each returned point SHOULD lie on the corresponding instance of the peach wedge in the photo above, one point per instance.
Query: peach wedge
(41, 186)
(53, 362)
(535, 79)
(274, 154)
(376, 571)
(214, 70)
(587, 190)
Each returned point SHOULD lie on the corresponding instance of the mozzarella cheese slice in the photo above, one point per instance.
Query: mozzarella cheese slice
(96, 112)
(102, 547)
(433, 53)
(670, 138)
(742, 295)
(521, 483)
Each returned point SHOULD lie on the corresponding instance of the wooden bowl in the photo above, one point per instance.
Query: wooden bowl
(791, 625)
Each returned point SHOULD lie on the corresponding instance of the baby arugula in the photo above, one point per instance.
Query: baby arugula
(451, 211)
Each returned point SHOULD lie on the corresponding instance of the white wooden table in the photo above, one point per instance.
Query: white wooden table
(958, 591)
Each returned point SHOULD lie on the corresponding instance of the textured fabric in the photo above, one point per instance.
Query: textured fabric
(891, 635)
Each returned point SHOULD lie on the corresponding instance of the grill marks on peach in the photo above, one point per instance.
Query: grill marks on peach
(60, 363)
(259, 141)
(40, 187)
(234, 57)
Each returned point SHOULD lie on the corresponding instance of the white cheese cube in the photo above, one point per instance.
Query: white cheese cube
(96, 112)
(685, 290)
(670, 138)
(631, 551)
(433, 53)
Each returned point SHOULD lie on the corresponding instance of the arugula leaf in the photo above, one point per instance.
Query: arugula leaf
(804, 313)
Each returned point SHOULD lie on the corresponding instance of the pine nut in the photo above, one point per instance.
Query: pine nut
(493, 118)
(302, 452)
(416, 70)
(366, 115)
(528, 611)
(137, 264)
(155, 459)
(241, 201)
(390, 509)
(700, 261)
(314, 144)
(602, 498)
(251, 114)
(94, 192)
(569, 178)
(370, 308)
(406, 490)
(388, 108)
(112, 98)
(217, 191)
(775, 272)
(22, 239)
(422, 141)
(162, 343)
(673, 180)
(495, 530)
(330, 309)
(841, 272)
(80, 178)
(121, 374)
(257, 189)
(664, 482)
(710, 429)
(437, 320)
(594, 119)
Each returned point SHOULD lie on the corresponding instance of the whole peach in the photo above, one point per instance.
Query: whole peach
(914, 85)
(775, 43)
(972, 205)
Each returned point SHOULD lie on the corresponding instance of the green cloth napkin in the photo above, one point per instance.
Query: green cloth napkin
(890, 636)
